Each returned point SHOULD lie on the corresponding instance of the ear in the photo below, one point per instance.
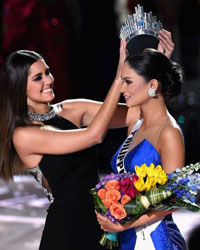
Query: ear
(154, 84)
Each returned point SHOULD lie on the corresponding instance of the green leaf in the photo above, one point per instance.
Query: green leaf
(186, 204)
(134, 207)
(99, 206)
(178, 203)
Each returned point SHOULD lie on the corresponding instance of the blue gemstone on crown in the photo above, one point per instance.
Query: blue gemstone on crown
(140, 23)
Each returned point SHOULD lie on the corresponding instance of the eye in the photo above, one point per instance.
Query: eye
(128, 82)
(37, 78)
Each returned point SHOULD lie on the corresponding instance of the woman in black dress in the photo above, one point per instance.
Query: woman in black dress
(50, 142)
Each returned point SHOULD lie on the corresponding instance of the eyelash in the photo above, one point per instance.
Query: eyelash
(39, 78)
(128, 82)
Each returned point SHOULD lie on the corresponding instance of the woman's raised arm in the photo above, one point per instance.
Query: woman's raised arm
(39, 140)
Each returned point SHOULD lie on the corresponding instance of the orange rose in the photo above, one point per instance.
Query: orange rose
(118, 211)
(112, 185)
(125, 199)
(113, 195)
(107, 203)
(102, 193)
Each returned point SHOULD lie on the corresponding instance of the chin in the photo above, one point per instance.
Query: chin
(129, 105)
(50, 98)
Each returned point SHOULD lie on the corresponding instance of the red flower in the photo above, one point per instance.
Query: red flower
(127, 187)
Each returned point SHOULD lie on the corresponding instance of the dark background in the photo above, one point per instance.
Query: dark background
(80, 41)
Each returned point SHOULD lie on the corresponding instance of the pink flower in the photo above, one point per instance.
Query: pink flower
(127, 187)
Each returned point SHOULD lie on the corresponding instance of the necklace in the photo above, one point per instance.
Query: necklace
(42, 117)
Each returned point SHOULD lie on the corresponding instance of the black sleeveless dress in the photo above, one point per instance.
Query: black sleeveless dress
(71, 222)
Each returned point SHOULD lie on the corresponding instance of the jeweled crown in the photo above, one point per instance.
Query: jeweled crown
(140, 23)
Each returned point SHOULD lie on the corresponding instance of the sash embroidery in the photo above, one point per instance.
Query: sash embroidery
(124, 149)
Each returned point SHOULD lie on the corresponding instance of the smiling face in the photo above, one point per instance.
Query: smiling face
(40, 85)
(134, 88)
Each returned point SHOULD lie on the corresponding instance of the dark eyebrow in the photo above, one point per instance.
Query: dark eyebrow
(126, 78)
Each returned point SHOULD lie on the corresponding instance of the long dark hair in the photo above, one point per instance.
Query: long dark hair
(152, 64)
(13, 107)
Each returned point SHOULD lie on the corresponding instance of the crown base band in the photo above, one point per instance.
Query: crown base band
(140, 42)
(142, 32)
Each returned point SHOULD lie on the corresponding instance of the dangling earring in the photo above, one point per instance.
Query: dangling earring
(151, 92)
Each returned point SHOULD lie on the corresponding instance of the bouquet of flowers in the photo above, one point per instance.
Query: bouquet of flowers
(125, 197)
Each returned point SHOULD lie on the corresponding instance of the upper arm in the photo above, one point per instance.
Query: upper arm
(171, 148)
(87, 109)
(37, 140)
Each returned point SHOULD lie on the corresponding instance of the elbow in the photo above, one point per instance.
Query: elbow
(97, 140)
(95, 137)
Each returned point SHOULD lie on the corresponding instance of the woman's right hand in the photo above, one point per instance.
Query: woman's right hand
(122, 56)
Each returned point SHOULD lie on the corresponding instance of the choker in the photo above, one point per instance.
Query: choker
(42, 117)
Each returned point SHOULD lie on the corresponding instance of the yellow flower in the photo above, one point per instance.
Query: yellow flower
(162, 178)
(147, 186)
(150, 170)
(157, 171)
(150, 182)
(139, 184)
(151, 174)
(141, 171)
(160, 175)
(158, 168)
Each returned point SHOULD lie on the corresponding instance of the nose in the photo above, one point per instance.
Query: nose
(49, 79)
(123, 89)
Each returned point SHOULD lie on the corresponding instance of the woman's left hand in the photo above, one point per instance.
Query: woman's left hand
(166, 45)
(109, 226)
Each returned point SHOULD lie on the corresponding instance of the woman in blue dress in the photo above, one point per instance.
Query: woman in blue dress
(149, 79)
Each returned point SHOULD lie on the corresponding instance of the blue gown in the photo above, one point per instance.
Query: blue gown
(166, 235)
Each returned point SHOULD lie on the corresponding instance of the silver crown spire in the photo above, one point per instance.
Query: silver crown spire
(140, 23)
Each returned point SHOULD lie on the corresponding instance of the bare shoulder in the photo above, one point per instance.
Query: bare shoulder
(171, 131)
(20, 132)
(171, 141)
(23, 134)
(171, 147)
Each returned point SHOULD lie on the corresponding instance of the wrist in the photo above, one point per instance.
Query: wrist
(121, 228)
(127, 226)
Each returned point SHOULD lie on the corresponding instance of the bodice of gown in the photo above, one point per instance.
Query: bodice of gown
(144, 152)
(70, 176)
